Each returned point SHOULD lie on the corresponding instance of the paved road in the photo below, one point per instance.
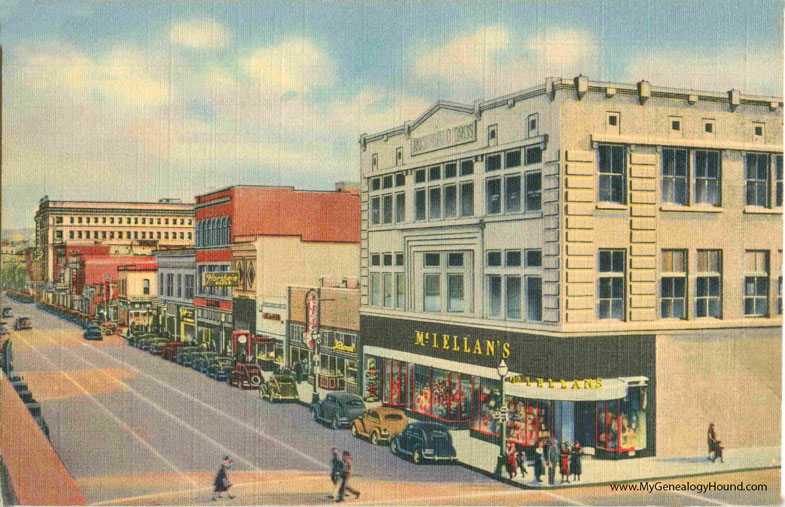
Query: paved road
(114, 410)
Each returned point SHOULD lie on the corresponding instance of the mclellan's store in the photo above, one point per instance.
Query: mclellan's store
(598, 390)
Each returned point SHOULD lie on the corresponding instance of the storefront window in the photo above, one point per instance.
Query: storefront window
(486, 399)
(372, 379)
(633, 419)
(351, 372)
(422, 390)
(440, 393)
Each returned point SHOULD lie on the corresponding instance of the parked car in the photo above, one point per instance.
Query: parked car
(3, 328)
(200, 360)
(109, 328)
(136, 339)
(22, 323)
(93, 333)
(156, 346)
(338, 409)
(246, 375)
(279, 388)
(7, 312)
(424, 441)
(172, 348)
(185, 355)
(148, 344)
(220, 367)
(379, 424)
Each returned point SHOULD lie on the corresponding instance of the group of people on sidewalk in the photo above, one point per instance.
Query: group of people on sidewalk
(340, 473)
(547, 458)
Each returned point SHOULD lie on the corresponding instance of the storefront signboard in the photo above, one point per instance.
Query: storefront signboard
(311, 315)
(463, 344)
(220, 279)
(445, 138)
(187, 314)
(344, 348)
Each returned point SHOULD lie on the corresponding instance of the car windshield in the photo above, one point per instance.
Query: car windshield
(224, 361)
(440, 434)
(285, 381)
(393, 417)
(354, 404)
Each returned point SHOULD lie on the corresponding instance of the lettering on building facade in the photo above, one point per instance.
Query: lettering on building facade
(445, 138)
(462, 344)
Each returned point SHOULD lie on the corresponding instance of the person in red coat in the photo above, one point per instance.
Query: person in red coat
(564, 461)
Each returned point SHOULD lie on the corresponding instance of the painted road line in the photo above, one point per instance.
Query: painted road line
(239, 422)
(224, 450)
(119, 421)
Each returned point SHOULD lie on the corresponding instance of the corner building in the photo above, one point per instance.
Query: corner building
(618, 245)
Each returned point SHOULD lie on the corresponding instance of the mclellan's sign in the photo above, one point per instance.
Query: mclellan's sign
(463, 344)
(444, 138)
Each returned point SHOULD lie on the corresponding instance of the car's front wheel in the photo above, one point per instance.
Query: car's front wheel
(229, 381)
(354, 431)
(261, 392)
(417, 457)
(336, 424)
(314, 414)
(375, 438)
(394, 446)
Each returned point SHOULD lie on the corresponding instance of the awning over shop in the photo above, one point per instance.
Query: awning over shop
(442, 364)
(569, 390)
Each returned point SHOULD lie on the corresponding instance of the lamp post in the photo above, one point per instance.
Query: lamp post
(317, 340)
(223, 335)
(501, 416)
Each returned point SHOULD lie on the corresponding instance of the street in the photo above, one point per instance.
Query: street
(135, 429)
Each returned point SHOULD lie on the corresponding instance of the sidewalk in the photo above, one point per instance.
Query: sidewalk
(481, 455)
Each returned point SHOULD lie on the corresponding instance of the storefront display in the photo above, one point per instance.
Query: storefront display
(371, 380)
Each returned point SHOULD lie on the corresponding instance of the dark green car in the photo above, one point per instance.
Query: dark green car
(185, 355)
(200, 360)
(220, 367)
(279, 388)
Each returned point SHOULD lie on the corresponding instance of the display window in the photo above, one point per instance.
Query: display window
(394, 375)
(441, 394)
(621, 424)
(528, 422)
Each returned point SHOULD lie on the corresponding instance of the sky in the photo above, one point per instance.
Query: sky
(137, 101)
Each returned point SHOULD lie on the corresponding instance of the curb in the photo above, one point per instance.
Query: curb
(607, 483)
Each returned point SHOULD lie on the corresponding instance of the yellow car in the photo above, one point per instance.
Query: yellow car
(379, 424)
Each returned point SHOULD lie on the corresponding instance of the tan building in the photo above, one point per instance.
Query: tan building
(137, 287)
(126, 227)
(618, 245)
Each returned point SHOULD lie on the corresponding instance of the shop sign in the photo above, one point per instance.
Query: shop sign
(445, 138)
(464, 344)
(344, 348)
(212, 303)
(587, 383)
(187, 315)
(271, 316)
(311, 315)
(220, 279)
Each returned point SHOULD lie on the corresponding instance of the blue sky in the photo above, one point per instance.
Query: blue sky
(137, 101)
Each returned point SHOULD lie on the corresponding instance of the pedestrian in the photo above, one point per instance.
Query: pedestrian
(336, 466)
(714, 444)
(521, 457)
(552, 459)
(512, 463)
(539, 461)
(221, 482)
(575, 460)
(346, 474)
(565, 464)
(298, 372)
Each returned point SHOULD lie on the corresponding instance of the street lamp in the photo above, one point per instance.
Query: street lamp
(317, 339)
(501, 416)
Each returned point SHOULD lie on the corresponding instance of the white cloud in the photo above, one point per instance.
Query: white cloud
(199, 34)
(294, 65)
(758, 71)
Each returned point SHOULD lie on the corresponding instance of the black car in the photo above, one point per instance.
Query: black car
(185, 355)
(220, 367)
(93, 333)
(338, 409)
(424, 441)
(201, 360)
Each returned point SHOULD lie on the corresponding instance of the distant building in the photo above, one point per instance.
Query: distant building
(176, 285)
(137, 287)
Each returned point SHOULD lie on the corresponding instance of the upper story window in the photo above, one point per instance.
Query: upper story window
(613, 174)
(399, 156)
(758, 133)
(676, 125)
(146, 286)
(419, 176)
(374, 162)
(467, 167)
(533, 155)
(533, 124)
(756, 171)
(610, 285)
(708, 128)
(675, 176)
(400, 179)
(376, 184)
(707, 177)
(446, 282)
(778, 180)
(708, 284)
(493, 162)
(492, 140)
(673, 284)
(613, 122)
(387, 181)
(756, 283)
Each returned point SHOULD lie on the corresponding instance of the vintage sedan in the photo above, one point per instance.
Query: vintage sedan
(156, 347)
(246, 375)
(220, 367)
(22, 323)
(424, 441)
(185, 355)
(200, 360)
(338, 409)
(170, 351)
(136, 340)
(279, 388)
(93, 333)
(379, 424)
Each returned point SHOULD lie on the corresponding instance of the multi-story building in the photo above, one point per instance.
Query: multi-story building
(126, 227)
(271, 237)
(618, 246)
(137, 287)
(176, 284)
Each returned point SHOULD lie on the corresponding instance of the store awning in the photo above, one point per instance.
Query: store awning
(569, 390)
(442, 364)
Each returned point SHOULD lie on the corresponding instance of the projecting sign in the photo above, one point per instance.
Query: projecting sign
(220, 279)
(444, 138)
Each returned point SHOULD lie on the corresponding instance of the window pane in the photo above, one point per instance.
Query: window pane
(467, 167)
(376, 289)
(387, 209)
(375, 210)
(432, 297)
(434, 173)
(467, 199)
(432, 260)
(455, 293)
(493, 196)
(512, 191)
(400, 208)
(533, 155)
(512, 159)
(494, 259)
(513, 259)
(450, 170)
(419, 176)
(534, 298)
(450, 201)
(494, 296)
(388, 290)
(400, 288)
(513, 297)
(533, 258)
(419, 205)
(455, 260)
(435, 199)
(493, 162)
(533, 191)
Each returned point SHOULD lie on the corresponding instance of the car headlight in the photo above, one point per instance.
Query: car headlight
(427, 451)
(385, 432)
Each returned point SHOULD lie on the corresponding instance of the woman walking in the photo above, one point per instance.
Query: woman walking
(564, 464)
(512, 463)
(575, 460)
(221, 482)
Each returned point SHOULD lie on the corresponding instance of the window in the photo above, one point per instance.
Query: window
(467, 167)
(533, 124)
(512, 293)
(533, 298)
(434, 173)
(534, 258)
(493, 162)
(387, 181)
(674, 176)
(432, 260)
(400, 179)
(708, 284)
(676, 124)
(387, 209)
(376, 290)
(454, 293)
(79, 220)
(388, 290)
(79, 234)
(492, 141)
(756, 283)
(419, 204)
(512, 194)
(778, 180)
(387, 259)
(146, 287)
(610, 290)
(533, 191)
(612, 185)
(400, 290)
(467, 199)
(707, 177)
(708, 128)
(779, 296)
(399, 155)
(455, 260)
(170, 284)
(432, 295)
(493, 196)
(375, 211)
(374, 162)
(757, 132)
(160, 284)
(399, 259)
(72, 219)
(450, 201)
(451, 170)
(673, 284)
(375, 260)
(613, 123)
(419, 176)
(59, 234)
(512, 159)
(189, 286)
(533, 155)
(400, 208)
(494, 259)
(757, 179)
(435, 203)
(512, 258)
(494, 296)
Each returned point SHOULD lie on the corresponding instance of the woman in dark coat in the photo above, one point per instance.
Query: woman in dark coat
(575, 460)
(221, 482)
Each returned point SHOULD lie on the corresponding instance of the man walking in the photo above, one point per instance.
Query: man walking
(552, 458)
(346, 474)
(336, 466)
(221, 482)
